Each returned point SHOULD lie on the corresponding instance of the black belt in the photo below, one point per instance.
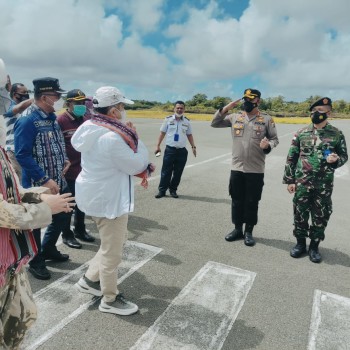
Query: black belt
(175, 147)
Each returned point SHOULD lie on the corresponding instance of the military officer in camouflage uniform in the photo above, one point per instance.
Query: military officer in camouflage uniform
(316, 151)
(254, 135)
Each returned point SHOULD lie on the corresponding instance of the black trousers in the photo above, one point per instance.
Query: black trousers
(245, 190)
(52, 233)
(174, 162)
(79, 216)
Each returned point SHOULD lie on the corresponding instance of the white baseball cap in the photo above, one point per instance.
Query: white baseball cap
(107, 96)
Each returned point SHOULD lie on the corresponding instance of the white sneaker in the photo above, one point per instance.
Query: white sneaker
(84, 285)
(120, 306)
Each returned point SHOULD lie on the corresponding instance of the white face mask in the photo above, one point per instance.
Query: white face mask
(5, 100)
(122, 114)
(179, 115)
(57, 105)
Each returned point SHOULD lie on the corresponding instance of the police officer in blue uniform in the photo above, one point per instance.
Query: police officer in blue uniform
(177, 130)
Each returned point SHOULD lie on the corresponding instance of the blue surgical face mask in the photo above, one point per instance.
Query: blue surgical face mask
(79, 110)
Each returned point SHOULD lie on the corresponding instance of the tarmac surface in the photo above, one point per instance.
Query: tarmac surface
(177, 253)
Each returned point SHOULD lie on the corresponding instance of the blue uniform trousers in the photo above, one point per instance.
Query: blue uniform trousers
(174, 162)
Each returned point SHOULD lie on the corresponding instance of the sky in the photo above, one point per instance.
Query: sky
(165, 50)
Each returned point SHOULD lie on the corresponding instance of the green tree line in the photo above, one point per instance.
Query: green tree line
(276, 106)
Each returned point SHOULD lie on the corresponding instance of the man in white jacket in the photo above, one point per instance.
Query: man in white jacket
(111, 154)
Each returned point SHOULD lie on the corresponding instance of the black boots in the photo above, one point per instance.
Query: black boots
(236, 234)
(314, 255)
(299, 249)
(248, 235)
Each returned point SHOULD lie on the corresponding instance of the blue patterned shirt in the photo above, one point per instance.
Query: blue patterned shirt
(39, 147)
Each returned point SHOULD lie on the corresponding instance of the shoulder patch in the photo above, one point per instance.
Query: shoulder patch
(169, 116)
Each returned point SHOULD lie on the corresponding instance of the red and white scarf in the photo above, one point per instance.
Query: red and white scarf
(129, 136)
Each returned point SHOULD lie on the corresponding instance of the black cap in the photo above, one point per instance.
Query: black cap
(251, 93)
(324, 101)
(42, 85)
(76, 95)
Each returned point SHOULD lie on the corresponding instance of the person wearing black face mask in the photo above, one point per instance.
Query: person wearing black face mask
(254, 135)
(19, 102)
(316, 151)
(248, 105)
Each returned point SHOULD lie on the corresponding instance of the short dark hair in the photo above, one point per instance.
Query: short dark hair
(179, 103)
(14, 88)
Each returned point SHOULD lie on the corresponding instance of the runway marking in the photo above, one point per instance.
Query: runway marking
(330, 322)
(195, 164)
(201, 316)
(56, 301)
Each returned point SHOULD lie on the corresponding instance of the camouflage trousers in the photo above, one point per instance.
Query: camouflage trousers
(17, 310)
(314, 202)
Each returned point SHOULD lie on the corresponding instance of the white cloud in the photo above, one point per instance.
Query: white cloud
(299, 48)
(76, 43)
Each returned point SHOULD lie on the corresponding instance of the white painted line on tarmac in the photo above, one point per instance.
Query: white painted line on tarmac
(212, 159)
(330, 322)
(195, 164)
(60, 303)
(201, 316)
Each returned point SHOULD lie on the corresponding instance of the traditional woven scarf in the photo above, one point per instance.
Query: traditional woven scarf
(129, 136)
(17, 247)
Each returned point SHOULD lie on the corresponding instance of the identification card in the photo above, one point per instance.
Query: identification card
(326, 153)
(176, 137)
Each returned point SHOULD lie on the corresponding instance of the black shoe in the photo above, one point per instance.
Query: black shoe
(299, 249)
(40, 272)
(55, 255)
(234, 235)
(248, 239)
(71, 242)
(174, 194)
(314, 254)
(160, 194)
(83, 235)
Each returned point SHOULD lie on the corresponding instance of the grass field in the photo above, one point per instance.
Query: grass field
(153, 114)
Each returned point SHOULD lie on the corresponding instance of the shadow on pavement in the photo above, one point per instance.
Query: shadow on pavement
(139, 225)
(329, 256)
(243, 337)
(205, 199)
